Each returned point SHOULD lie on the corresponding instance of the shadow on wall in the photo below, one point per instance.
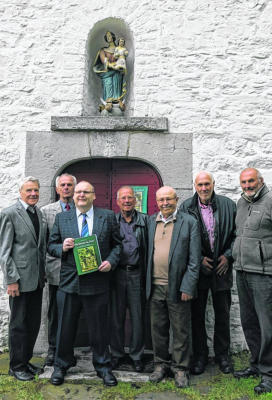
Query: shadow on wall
(92, 89)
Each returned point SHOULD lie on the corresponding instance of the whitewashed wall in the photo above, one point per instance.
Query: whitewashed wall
(205, 64)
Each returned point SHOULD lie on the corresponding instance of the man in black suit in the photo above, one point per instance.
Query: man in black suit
(89, 291)
(22, 256)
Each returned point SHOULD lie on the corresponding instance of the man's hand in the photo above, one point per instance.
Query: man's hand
(68, 244)
(104, 267)
(206, 263)
(186, 297)
(223, 265)
(13, 290)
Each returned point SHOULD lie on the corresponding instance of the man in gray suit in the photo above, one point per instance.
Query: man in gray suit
(174, 251)
(22, 255)
(65, 185)
(90, 291)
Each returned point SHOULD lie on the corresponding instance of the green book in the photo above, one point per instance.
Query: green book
(87, 254)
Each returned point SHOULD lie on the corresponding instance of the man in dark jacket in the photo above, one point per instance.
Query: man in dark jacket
(128, 280)
(216, 217)
(171, 281)
(252, 253)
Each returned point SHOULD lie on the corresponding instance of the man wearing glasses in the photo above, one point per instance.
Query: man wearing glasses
(89, 292)
(171, 282)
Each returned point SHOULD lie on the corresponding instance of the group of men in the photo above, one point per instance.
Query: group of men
(170, 260)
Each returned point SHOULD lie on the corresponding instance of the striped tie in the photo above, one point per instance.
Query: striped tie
(84, 230)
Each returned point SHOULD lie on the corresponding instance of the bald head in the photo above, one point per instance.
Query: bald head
(167, 200)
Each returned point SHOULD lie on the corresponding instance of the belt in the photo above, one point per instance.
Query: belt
(129, 267)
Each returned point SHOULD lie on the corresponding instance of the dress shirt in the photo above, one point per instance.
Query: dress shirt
(89, 219)
(63, 205)
(208, 219)
(171, 217)
(130, 250)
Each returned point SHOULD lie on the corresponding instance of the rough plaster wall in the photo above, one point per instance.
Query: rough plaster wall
(204, 64)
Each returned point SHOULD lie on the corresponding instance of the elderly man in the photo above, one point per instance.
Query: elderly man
(129, 280)
(252, 253)
(172, 275)
(216, 217)
(65, 185)
(89, 292)
(22, 255)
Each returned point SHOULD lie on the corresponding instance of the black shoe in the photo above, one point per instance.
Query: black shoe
(225, 365)
(265, 386)
(33, 369)
(160, 372)
(21, 375)
(246, 373)
(49, 361)
(115, 361)
(57, 378)
(198, 367)
(138, 365)
(108, 378)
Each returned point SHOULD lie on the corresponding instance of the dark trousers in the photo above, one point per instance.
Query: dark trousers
(255, 296)
(52, 316)
(127, 292)
(95, 309)
(163, 314)
(221, 340)
(24, 325)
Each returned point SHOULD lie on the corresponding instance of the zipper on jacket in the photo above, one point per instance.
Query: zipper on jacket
(261, 253)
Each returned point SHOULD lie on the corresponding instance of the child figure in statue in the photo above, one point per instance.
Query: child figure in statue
(120, 55)
(112, 78)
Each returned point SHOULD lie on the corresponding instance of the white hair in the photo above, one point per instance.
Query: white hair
(68, 175)
(28, 179)
(207, 173)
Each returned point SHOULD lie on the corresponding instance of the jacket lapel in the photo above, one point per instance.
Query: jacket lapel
(98, 220)
(23, 214)
(175, 236)
(73, 223)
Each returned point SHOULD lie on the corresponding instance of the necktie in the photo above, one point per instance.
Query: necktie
(85, 229)
(67, 207)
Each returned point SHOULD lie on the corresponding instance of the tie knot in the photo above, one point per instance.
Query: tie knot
(67, 207)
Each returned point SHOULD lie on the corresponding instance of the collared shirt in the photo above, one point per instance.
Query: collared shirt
(27, 206)
(89, 219)
(130, 252)
(171, 217)
(63, 205)
(208, 219)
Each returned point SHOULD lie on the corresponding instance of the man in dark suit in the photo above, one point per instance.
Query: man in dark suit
(172, 274)
(65, 185)
(89, 291)
(22, 255)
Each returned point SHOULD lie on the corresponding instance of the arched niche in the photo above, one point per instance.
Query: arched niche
(92, 85)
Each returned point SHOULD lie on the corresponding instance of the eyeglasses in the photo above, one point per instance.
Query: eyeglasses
(83, 191)
(162, 200)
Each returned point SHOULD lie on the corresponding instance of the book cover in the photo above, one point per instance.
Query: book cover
(87, 254)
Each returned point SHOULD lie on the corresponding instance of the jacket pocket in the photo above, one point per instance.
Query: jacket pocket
(254, 219)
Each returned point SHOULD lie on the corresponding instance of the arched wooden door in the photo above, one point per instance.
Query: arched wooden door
(107, 176)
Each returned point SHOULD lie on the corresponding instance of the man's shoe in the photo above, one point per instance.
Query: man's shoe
(21, 375)
(198, 367)
(182, 379)
(225, 366)
(108, 378)
(159, 373)
(115, 361)
(265, 386)
(34, 369)
(57, 377)
(246, 373)
(138, 365)
(49, 361)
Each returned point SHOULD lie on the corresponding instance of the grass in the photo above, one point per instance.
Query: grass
(219, 387)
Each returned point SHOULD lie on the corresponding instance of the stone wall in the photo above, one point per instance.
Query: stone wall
(206, 65)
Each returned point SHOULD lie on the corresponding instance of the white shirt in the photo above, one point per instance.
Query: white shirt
(89, 219)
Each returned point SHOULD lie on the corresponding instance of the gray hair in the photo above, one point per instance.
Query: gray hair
(124, 187)
(207, 173)
(259, 175)
(28, 179)
(66, 174)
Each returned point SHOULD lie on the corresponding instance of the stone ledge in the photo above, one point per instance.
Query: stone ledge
(109, 124)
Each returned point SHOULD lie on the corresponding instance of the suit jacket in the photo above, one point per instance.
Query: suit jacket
(106, 228)
(184, 257)
(22, 256)
(52, 266)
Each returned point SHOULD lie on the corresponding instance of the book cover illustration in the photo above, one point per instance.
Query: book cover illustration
(87, 254)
